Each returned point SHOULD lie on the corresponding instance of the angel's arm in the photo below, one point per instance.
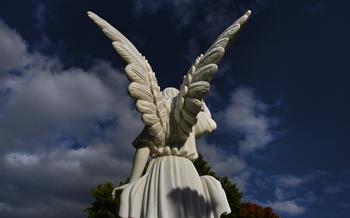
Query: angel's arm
(140, 161)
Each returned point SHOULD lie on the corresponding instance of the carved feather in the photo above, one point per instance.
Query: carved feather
(195, 85)
(211, 57)
(150, 119)
(198, 89)
(135, 73)
(145, 107)
(140, 91)
(205, 73)
(193, 105)
(189, 118)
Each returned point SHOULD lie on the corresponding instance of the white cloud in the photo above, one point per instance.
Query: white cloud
(13, 49)
(247, 115)
(241, 180)
(45, 103)
(293, 193)
(20, 159)
(49, 101)
(287, 207)
(67, 169)
(4, 207)
(290, 181)
(279, 193)
(223, 164)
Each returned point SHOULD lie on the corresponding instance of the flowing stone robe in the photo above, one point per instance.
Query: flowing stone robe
(171, 186)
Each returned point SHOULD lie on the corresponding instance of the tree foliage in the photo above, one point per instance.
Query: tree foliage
(232, 193)
(106, 207)
(233, 196)
(202, 167)
(251, 210)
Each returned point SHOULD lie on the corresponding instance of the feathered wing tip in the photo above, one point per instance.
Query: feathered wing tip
(196, 83)
(126, 50)
(143, 83)
(245, 17)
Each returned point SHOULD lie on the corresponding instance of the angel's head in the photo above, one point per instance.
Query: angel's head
(205, 123)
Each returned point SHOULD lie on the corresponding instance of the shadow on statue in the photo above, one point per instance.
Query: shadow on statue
(184, 198)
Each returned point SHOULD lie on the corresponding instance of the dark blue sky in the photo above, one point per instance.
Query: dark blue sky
(281, 99)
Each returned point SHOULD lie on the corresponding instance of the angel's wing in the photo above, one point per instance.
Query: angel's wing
(195, 85)
(143, 87)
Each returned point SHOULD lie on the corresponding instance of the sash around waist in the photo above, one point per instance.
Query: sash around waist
(167, 151)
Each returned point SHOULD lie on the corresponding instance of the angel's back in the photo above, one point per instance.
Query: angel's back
(174, 146)
(171, 186)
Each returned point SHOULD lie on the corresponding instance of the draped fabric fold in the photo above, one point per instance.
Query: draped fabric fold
(172, 188)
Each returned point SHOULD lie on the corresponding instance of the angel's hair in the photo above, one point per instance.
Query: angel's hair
(205, 123)
(170, 92)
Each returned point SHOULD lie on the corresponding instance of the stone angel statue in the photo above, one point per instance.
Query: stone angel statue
(174, 119)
